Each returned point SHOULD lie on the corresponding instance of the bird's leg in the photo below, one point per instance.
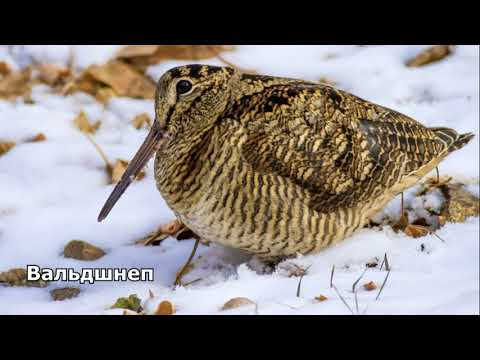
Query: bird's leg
(172, 228)
(438, 174)
(264, 264)
(182, 272)
(401, 203)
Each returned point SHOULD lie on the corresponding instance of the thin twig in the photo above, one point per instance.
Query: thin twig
(383, 285)
(343, 300)
(99, 149)
(356, 282)
(439, 237)
(385, 261)
(331, 275)
(300, 281)
(356, 302)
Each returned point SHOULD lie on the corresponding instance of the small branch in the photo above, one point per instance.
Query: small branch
(356, 282)
(439, 237)
(356, 302)
(383, 285)
(100, 151)
(300, 281)
(331, 276)
(343, 300)
(385, 261)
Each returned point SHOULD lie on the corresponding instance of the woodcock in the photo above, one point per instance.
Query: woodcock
(278, 166)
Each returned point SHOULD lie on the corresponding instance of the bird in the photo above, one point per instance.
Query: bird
(278, 166)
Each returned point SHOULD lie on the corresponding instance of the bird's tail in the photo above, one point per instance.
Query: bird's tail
(452, 140)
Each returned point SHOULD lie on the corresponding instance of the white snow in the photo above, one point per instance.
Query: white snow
(51, 192)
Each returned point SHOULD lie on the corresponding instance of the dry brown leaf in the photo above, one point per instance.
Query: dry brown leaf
(16, 84)
(18, 277)
(165, 308)
(5, 146)
(4, 68)
(142, 121)
(81, 250)
(237, 302)
(172, 227)
(416, 231)
(430, 55)
(37, 138)
(320, 298)
(131, 312)
(142, 56)
(118, 168)
(136, 51)
(53, 75)
(121, 77)
(64, 293)
(82, 123)
(104, 94)
(370, 286)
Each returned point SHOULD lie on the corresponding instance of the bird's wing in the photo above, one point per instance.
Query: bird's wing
(342, 151)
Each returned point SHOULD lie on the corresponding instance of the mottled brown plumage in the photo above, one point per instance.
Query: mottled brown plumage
(279, 166)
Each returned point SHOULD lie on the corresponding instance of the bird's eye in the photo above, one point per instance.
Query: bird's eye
(184, 86)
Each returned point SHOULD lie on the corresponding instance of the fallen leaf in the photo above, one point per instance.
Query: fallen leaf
(18, 277)
(37, 138)
(370, 286)
(290, 269)
(165, 308)
(81, 250)
(118, 169)
(320, 298)
(64, 293)
(142, 121)
(16, 84)
(142, 56)
(416, 231)
(122, 78)
(4, 68)
(53, 75)
(104, 94)
(237, 302)
(136, 51)
(131, 303)
(82, 123)
(5, 146)
(430, 55)
(172, 227)
(130, 312)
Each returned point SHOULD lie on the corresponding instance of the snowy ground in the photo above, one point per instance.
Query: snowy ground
(51, 193)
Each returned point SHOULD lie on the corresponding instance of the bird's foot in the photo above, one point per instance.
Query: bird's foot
(175, 227)
(264, 264)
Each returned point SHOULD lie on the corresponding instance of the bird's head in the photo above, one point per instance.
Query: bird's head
(188, 101)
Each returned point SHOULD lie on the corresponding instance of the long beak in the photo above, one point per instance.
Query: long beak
(152, 144)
